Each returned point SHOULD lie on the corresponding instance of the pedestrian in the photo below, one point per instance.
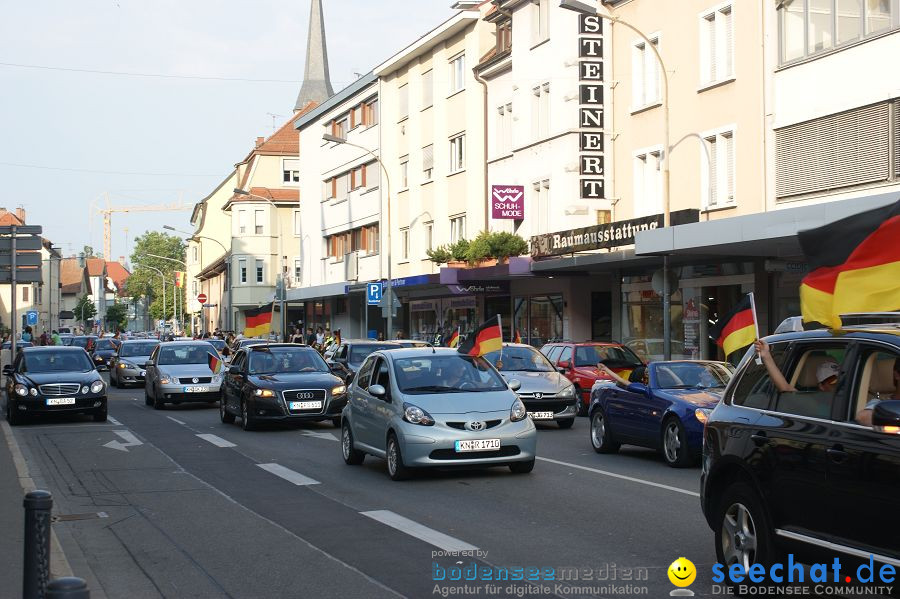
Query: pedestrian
(55, 339)
(399, 335)
(26, 334)
(44, 339)
(320, 336)
(310, 337)
(380, 335)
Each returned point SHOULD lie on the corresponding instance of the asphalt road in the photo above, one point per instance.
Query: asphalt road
(277, 513)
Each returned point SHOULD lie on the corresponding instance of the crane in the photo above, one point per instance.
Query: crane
(107, 218)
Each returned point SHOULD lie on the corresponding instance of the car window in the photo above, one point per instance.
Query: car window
(279, 360)
(691, 375)
(60, 361)
(154, 354)
(446, 373)
(809, 399)
(754, 388)
(612, 356)
(566, 354)
(521, 359)
(381, 375)
(365, 373)
(553, 354)
(358, 353)
(106, 344)
(127, 350)
(238, 360)
(875, 378)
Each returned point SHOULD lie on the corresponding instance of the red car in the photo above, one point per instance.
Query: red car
(578, 363)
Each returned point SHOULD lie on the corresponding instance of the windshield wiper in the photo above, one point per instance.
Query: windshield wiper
(435, 389)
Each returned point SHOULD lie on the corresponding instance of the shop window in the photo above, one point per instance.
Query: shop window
(539, 319)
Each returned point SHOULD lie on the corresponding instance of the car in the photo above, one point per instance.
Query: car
(126, 367)
(179, 372)
(410, 343)
(666, 412)
(66, 338)
(86, 342)
(53, 380)
(578, 363)
(802, 471)
(281, 382)
(547, 394)
(219, 344)
(242, 343)
(104, 349)
(19, 344)
(350, 354)
(64, 331)
(429, 407)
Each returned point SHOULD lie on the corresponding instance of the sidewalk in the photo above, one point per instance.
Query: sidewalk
(12, 517)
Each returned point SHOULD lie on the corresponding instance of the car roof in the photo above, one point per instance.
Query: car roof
(586, 343)
(181, 343)
(47, 348)
(886, 333)
(519, 345)
(268, 346)
(133, 341)
(418, 352)
(367, 342)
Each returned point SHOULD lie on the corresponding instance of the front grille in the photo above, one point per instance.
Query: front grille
(305, 395)
(505, 451)
(59, 389)
(191, 381)
(462, 425)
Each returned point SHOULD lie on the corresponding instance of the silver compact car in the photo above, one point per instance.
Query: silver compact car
(425, 407)
(548, 395)
(126, 367)
(180, 372)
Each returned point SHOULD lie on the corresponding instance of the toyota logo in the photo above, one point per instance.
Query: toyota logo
(476, 426)
(539, 396)
(195, 380)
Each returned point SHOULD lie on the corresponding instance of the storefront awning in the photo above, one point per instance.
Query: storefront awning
(318, 291)
(766, 234)
(519, 266)
(596, 262)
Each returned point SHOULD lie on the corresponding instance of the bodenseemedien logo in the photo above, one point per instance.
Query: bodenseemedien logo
(682, 573)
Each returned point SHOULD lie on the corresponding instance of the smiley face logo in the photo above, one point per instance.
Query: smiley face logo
(682, 572)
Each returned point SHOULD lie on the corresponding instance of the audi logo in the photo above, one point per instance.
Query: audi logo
(476, 426)
(305, 395)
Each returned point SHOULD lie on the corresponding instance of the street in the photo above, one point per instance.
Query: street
(190, 507)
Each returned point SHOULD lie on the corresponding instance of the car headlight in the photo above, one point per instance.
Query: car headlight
(96, 386)
(568, 391)
(338, 390)
(702, 414)
(416, 415)
(264, 393)
(518, 412)
(21, 390)
(85, 389)
(164, 380)
(217, 378)
(127, 365)
(33, 392)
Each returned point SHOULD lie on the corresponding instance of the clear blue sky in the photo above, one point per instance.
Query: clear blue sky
(122, 124)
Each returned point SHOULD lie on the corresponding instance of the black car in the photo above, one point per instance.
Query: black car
(346, 358)
(104, 350)
(19, 344)
(814, 468)
(281, 382)
(86, 342)
(52, 379)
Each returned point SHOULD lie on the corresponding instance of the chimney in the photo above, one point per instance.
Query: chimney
(260, 141)
(20, 214)
(122, 260)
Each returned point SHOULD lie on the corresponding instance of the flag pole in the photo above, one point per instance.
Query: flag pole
(500, 324)
(755, 322)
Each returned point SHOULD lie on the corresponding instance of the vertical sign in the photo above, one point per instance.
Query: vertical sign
(508, 201)
(590, 111)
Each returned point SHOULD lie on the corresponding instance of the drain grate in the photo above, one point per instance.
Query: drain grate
(72, 517)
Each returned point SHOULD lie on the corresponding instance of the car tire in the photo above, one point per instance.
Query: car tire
(740, 520)
(396, 469)
(673, 441)
(11, 417)
(224, 415)
(247, 421)
(582, 409)
(352, 456)
(601, 438)
(567, 423)
(158, 403)
(522, 467)
(100, 415)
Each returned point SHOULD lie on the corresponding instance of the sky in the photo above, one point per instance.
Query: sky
(144, 140)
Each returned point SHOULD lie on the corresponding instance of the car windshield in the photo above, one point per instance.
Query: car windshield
(80, 341)
(184, 353)
(522, 359)
(219, 344)
(66, 340)
(358, 353)
(106, 344)
(279, 360)
(57, 361)
(691, 375)
(446, 373)
(613, 356)
(137, 349)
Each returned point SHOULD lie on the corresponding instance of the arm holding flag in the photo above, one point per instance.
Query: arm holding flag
(762, 350)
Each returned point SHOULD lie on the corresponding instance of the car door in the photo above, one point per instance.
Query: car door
(361, 402)
(380, 409)
(234, 381)
(152, 371)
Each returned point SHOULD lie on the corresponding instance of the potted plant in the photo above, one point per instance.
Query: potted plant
(491, 248)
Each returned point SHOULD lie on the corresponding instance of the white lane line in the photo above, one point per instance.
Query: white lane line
(320, 435)
(622, 476)
(217, 441)
(175, 420)
(114, 421)
(419, 531)
(288, 474)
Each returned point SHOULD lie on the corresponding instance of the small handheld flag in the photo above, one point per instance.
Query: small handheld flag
(453, 341)
(486, 339)
(737, 329)
(215, 364)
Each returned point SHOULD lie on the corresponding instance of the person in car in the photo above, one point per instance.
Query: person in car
(826, 372)
(864, 416)
(453, 373)
(639, 374)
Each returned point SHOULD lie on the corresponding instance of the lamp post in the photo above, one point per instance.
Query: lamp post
(584, 8)
(280, 287)
(163, 277)
(388, 290)
(226, 309)
(174, 293)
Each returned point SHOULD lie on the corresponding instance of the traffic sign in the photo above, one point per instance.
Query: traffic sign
(202, 298)
(31, 317)
(373, 293)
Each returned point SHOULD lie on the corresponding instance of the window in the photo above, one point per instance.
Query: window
(404, 244)
(810, 399)
(718, 156)
(258, 220)
(504, 36)
(540, 20)
(358, 177)
(540, 111)
(356, 116)
(807, 27)
(647, 183)
(372, 175)
(298, 229)
(541, 206)
(194, 253)
(194, 289)
(604, 217)
(242, 221)
(428, 162)
(404, 172)
(331, 188)
(343, 184)
(242, 268)
(503, 137)
(457, 73)
(645, 71)
(755, 388)
(298, 270)
(457, 153)
(24, 294)
(427, 88)
(259, 271)
(370, 113)
(429, 236)
(457, 228)
(370, 239)
(39, 295)
(290, 170)
(339, 127)
(362, 239)
(717, 46)
(403, 98)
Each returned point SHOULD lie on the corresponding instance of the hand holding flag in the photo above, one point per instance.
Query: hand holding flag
(737, 329)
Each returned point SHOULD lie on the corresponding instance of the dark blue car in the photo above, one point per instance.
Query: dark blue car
(663, 408)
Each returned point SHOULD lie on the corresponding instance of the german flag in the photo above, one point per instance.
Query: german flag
(486, 338)
(854, 264)
(258, 321)
(453, 340)
(737, 329)
(337, 337)
(180, 278)
(215, 364)
(518, 337)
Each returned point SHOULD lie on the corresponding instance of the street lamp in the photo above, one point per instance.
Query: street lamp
(584, 8)
(388, 291)
(193, 236)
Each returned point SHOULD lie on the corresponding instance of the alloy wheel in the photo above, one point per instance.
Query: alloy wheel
(392, 457)
(739, 543)
(598, 430)
(345, 442)
(672, 442)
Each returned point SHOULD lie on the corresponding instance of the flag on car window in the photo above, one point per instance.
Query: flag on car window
(258, 321)
(453, 341)
(215, 364)
(486, 338)
(737, 329)
(854, 266)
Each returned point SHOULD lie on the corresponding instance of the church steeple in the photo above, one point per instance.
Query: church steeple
(316, 84)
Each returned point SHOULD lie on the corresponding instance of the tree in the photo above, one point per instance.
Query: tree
(117, 317)
(85, 309)
(145, 281)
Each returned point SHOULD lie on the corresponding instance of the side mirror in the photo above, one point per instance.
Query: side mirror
(8, 370)
(561, 370)
(514, 385)
(885, 416)
(639, 388)
(564, 366)
(377, 391)
(234, 370)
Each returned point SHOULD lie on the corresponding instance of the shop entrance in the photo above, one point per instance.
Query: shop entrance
(501, 305)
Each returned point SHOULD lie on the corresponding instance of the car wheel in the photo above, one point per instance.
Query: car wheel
(522, 467)
(224, 415)
(742, 530)
(100, 415)
(601, 440)
(567, 423)
(396, 469)
(582, 409)
(11, 417)
(352, 456)
(247, 421)
(158, 403)
(674, 444)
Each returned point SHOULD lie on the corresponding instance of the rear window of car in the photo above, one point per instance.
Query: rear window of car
(137, 349)
(106, 344)
(358, 353)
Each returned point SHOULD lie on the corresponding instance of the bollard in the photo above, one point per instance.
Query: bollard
(37, 544)
(69, 587)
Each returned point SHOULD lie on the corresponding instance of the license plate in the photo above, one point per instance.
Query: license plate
(306, 405)
(196, 389)
(478, 445)
(541, 415)
(61, 401)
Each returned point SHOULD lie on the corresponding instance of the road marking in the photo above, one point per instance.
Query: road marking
(320, 435)
(622, 476)
(114, 421)
(419, 531)
(217, 441)
(288, 474)
(175, 420)
(130, 441)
